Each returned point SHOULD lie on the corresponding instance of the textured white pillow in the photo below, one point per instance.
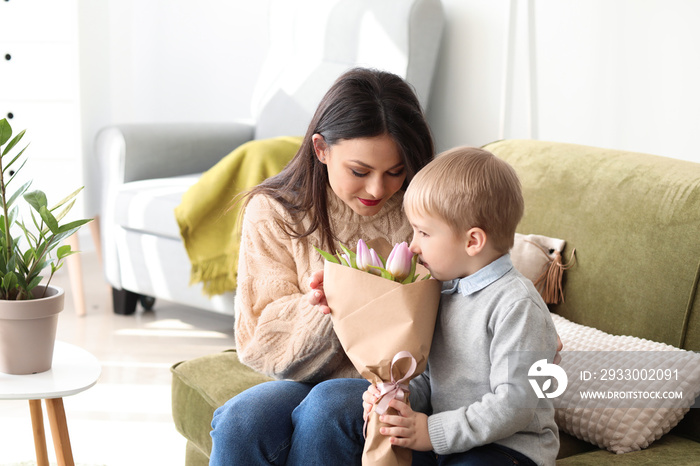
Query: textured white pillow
(617, 425)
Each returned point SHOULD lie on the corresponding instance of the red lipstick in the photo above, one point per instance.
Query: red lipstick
(369, 202)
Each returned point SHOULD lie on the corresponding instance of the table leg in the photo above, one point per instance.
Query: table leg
(75, 273)
(59, 431)
(42, 457)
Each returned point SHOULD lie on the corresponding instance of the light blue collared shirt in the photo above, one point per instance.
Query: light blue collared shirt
(481, 279)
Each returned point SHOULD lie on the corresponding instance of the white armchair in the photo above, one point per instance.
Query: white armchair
(146, 168)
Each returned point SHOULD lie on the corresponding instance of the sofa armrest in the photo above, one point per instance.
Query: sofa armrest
(127, 153)
(144, 151)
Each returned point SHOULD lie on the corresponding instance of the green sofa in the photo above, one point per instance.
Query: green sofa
(634, 220)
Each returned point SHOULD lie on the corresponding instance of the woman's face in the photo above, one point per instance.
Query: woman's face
(363, 172)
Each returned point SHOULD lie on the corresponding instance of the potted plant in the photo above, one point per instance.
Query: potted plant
(29, 248)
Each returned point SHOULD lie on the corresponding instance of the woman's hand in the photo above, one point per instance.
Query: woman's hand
(316, 296)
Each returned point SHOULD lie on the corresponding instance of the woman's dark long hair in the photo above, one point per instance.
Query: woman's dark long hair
(362, 103)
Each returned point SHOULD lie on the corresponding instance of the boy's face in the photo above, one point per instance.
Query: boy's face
(440, 250)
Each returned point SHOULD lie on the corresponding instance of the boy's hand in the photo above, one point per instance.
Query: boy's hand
(560, 346)
(408, 429)
(316, 296)
(369, 398)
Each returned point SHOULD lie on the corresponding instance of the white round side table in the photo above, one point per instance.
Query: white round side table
(73, 370)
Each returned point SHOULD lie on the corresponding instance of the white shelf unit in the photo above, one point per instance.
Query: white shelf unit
(39, 91)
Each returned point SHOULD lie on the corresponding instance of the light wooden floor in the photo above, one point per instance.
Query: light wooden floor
(125, 419)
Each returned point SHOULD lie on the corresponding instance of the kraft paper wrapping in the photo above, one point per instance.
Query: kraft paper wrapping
(376, 318)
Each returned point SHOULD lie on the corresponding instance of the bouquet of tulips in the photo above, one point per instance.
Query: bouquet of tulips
(384, 320)
(400, 266)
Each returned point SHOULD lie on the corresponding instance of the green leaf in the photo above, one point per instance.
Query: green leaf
(412, 274)
(13, 143)
(22, 263)
(11, 264)
(342, 261)
(351, 255)
(40, 266)
(51, 244)
(42, 231)
(18, 193)
(9, 281)
(64, 212)
(5, 131)
(7, 166)
(61, 236)
(67, 198)
(21, 281)
(328, 257)
(29, 236)
(36, 199)
(14, 175)
(64, 251)
(48, 218)
(346, 250)
(73, 225)
(13, 214)
(28, 254)
(34, 282)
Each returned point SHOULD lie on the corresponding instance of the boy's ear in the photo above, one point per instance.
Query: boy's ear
(475, 241)
(320, 147)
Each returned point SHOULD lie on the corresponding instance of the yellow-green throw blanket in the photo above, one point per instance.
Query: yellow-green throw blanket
(208, 216)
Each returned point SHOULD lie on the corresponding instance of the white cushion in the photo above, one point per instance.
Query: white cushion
(148, 206)
(629, 424)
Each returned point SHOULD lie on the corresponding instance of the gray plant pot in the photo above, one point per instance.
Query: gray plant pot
(28, 332)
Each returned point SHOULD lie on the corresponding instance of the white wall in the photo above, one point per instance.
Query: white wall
(613, 73)
(465, 106)
(171, 60)
(621, 74)
(166, 61)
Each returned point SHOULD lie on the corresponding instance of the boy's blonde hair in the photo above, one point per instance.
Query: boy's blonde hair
(469, 187)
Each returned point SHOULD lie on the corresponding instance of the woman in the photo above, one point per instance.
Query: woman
(365, 142)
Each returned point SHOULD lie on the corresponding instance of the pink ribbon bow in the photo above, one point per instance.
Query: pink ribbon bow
(396, 389)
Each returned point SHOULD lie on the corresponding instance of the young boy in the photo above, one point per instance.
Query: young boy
(467, 407)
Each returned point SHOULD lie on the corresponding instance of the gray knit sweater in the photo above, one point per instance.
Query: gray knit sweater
(486, 321)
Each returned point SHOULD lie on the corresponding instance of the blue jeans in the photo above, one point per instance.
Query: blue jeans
(485, 455)
(291, 423)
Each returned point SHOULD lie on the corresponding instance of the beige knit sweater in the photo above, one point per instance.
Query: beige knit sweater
(277, 331)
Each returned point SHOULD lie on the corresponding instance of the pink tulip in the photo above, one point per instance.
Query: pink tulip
(363, 259)
(399, 262)
(376, 262)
